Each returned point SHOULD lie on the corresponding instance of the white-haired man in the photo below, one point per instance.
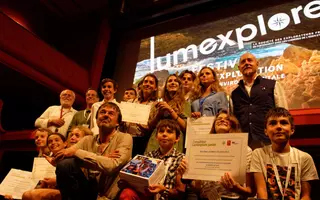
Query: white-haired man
(58, 118)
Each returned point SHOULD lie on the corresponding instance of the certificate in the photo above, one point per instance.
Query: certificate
(197, 126)
(42, 169)
(135, 113)
(17, 182)
(210, 156)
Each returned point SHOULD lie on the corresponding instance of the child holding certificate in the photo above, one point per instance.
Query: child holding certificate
(168, 134)
(227, 188)
(281, 171)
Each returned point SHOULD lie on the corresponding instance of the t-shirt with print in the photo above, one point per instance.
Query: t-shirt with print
(303, 169)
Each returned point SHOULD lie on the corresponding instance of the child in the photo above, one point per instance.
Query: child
(281, 171)
(40, 139)
(168, 134)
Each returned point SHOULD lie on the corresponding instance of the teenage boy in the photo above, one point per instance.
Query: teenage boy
(130, 95)
(281, 171)
(168, 133)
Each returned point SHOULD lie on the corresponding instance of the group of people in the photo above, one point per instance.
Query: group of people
(89, 169)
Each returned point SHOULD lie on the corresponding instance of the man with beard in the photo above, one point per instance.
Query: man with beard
(101, 155)
(253, 98)
(58, 118)
(108, 89)
(83, 117)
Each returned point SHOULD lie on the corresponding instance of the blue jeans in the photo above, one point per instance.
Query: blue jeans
(72, 183)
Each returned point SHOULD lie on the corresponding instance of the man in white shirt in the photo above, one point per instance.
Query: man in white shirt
(108, 89)
(58, 118)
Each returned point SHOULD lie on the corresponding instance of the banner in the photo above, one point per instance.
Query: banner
(285, 39)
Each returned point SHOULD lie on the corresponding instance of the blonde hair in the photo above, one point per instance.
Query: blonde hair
(199, 90)
(83, 129)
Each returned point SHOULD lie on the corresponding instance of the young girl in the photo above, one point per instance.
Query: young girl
(227, 188)
(209, 97)
(173, 106)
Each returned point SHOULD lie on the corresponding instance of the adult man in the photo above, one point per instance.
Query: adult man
(83, 117)
(187, 77)
(102, 155)
(253, 98)
(130, 95)
(58, 118)
(108, 89)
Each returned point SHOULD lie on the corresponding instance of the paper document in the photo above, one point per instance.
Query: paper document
(200, 125)
(135, 113)
(210, 156)
(42, 169)
(17, 182)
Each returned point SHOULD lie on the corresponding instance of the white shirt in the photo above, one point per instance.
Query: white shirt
(303, 169)
(54, 112)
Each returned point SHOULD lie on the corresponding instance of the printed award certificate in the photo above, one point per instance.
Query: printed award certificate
(42, 169)
(210, 156)
(135, 113)
(17, 182)
(200, 125)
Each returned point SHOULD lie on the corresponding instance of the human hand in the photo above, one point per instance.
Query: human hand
(64, 153)
(48, 183)
(196, 114)
(58, 122)
(114, 154)
(155, 189)
(50, 160)
(182, 167)
(163, 106)
(228, 182)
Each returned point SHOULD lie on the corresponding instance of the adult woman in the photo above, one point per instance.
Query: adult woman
(148, 92)
(209, 97)
(173, 106)
(227, 188)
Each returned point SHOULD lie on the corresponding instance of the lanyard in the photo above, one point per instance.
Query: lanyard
(63, 114)
(283, 191)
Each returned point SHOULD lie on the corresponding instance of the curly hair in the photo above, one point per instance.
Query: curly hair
(234, 123)
(176, 100)
(199, 89)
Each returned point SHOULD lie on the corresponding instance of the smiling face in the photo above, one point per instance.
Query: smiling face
(41, 139)
(206, 76)
(278, 129)
(108, 90)
(67, 98)
(75, 136)
(172, 84)
(166, 137)
(248, 65)
(149, 85)
(55, 143)
(107, 117)
(92, 97)
(222, 123)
